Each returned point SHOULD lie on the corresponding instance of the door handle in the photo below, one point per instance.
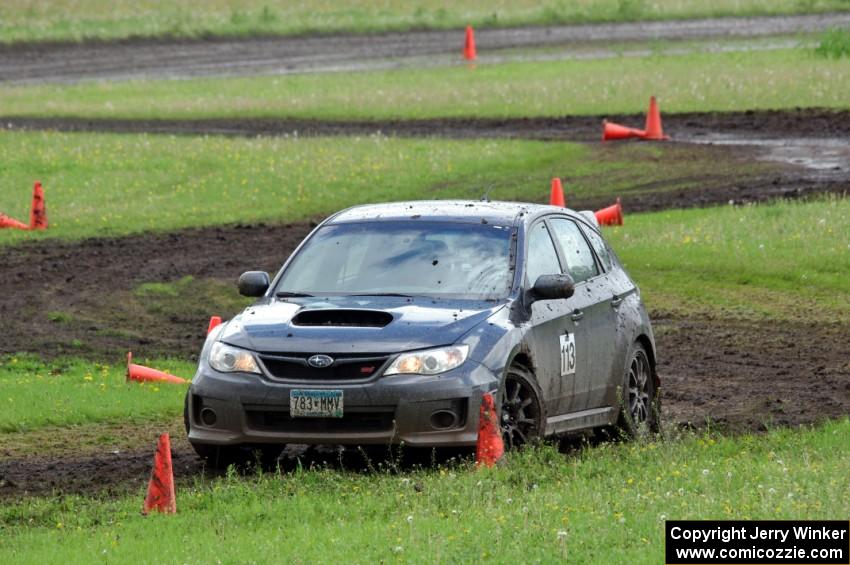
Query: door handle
(616, 301)
(576, 315)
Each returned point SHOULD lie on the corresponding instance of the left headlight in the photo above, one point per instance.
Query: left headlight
(429, 361)
(228, 359)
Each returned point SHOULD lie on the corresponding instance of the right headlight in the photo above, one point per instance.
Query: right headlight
(228, 359)
(429, 361)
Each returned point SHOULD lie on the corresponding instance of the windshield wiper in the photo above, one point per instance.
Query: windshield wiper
(287, 294)
(382, 294)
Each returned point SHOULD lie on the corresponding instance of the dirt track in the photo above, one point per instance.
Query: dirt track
(37, 63)
(753, 124)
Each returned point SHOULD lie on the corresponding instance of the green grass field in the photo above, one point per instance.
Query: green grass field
(780, 261)
(70, 392)
(607, 504)
(684, 83)
(40, 20)
(118, 184)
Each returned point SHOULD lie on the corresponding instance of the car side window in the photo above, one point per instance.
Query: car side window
(599, 246)
(542, 257)
(580, 262)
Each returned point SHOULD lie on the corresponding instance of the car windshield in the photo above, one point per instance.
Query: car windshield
(412, 258)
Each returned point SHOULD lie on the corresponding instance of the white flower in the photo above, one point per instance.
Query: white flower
(705, 472)
(410, 519)
(662, 517)
(771, 490)
(398, 549)
(562, 534)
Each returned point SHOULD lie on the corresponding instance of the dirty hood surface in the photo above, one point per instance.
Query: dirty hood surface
(417, 323)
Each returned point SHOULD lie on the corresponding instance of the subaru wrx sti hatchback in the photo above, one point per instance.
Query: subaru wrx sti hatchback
(389, 322)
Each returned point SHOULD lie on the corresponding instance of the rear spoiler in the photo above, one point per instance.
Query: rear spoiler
(590, 216)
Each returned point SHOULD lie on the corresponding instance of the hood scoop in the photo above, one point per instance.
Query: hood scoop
(342, 318)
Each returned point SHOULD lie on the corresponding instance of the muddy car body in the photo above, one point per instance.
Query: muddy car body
(389, 322)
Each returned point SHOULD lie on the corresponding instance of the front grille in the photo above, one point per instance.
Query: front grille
(344, 368)
(375, 420)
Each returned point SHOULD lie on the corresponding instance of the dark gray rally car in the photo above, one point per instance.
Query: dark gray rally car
(389, 323)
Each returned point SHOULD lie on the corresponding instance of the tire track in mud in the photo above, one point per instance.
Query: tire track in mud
(817, 123)
(185, 58)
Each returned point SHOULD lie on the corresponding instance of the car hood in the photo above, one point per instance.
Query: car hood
(410, 323)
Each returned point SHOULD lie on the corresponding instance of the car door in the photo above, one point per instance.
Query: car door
(592, 313)
(619, 287)
(554, 337)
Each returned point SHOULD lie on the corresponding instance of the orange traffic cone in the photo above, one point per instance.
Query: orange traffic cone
(610, 216)
(490, 447)
(143, 374)
(612, 131)
(38, 216)
(556, 194)
(7, 222)
(653, 129)
(215, 321)
(161, 486)
(469, 45)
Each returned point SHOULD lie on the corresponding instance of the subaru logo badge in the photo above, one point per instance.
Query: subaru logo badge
(320, 361)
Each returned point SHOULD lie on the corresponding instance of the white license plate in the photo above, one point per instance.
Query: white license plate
(315, 403)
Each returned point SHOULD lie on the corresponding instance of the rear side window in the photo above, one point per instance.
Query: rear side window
(542, 257)
(580, 262)
(600, 247)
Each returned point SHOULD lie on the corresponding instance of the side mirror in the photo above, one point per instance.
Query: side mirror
(553, 287)
(253, 283)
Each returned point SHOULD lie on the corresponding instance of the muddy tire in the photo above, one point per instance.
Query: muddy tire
(221, 456)
(523, 414)
(639, 407)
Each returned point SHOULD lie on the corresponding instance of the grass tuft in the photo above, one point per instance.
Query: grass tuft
(834, 44)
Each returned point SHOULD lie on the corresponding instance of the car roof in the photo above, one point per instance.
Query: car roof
(468, 211)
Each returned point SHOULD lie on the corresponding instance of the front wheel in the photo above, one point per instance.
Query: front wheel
(523, 414)
(639, 411)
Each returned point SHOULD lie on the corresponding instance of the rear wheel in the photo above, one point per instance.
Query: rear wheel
(523, 415)
(638, 404)
(222, 456)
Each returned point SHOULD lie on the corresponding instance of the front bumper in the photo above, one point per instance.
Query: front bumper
(252, 409)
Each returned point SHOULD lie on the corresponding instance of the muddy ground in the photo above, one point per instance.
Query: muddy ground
(167, 58)
(752, 125)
